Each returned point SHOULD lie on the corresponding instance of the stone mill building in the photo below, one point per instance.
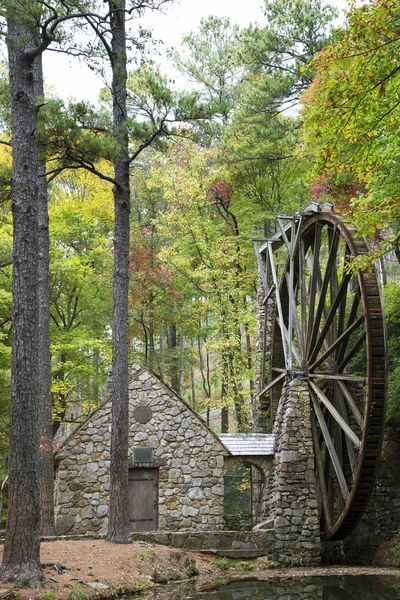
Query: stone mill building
(176, 465)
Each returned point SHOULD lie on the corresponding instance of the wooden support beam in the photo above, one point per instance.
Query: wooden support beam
(329, 444)
(321, 396)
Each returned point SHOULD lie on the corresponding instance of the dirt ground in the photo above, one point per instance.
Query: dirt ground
(102, 569)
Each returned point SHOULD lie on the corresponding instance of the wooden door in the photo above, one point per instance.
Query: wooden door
(143, 499)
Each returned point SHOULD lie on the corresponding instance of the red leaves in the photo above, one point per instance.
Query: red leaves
(220, 191)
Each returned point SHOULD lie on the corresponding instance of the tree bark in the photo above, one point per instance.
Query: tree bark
(118, 523)
(173, 358)
(21, 559)
(47, 525)
(192, 379)
(162, 353)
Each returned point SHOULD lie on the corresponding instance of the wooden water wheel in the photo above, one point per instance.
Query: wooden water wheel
(329, 330)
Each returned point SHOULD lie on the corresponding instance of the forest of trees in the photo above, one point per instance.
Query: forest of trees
(126, 229)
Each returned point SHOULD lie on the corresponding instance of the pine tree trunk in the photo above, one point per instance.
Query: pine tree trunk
(47, 525)
(162, 353)
(192, 379)
(118, 523)
(21, 559)
(173, 359)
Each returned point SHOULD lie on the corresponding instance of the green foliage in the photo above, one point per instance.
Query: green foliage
(295, 31)
(246, 565)
(48, 596)
(223, 563)
(396, 550)
(351, 117)
(147, 555)
(81, 264)
(210, 59)
(77, 594)
(212, 259)
(392, 309)
(12, 595)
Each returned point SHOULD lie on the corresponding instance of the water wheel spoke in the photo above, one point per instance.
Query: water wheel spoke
(334, 281)
(295, 320)
(338, 437)
(339, 300)
(295, 351)
(357, 346)
(272, 383)
(354, 306)
(346, 277)
(278, 299)
(335, 414)
(320, 472)
(341, 341)
(270, 292)
(351, 404)
(350, 450)
(303, 291)
(326, 339)
(313, 280)
(330, 446)
(324, 288)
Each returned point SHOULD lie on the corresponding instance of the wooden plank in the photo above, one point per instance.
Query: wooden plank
(351, 404)
(314, 277)
(303, 292)
(320, 472)
(270, 292)
(340, 340)
(319, 393)
(322, 294)
(339, 376)
(295, 319)
(278, 302)
(349, 446)
(269, 386)
(329, 444)
(334, 306)
(354, 351)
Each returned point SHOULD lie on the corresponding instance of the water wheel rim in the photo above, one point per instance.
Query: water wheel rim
(374, 405)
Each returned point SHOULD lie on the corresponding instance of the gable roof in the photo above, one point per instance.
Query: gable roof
(249, 444)
(135, 375)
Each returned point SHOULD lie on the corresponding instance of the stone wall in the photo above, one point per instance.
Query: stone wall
(189, 456)
(231, 544)
(292, 497)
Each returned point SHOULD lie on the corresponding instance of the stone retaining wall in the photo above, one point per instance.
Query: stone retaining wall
(233, 544)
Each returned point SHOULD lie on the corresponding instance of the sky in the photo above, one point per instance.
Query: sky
(70, 78)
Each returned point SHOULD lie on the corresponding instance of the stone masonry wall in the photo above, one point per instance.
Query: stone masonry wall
(190, 460)
(292, 501)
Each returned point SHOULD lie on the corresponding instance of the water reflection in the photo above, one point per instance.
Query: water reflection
(306, 588)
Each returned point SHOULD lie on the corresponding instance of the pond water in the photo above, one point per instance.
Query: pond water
(306, 588)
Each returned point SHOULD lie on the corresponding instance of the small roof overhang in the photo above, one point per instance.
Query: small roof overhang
(249, 444)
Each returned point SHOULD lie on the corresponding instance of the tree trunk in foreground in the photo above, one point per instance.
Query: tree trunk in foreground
(21, 559)
(47, 525)
(118, 523)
